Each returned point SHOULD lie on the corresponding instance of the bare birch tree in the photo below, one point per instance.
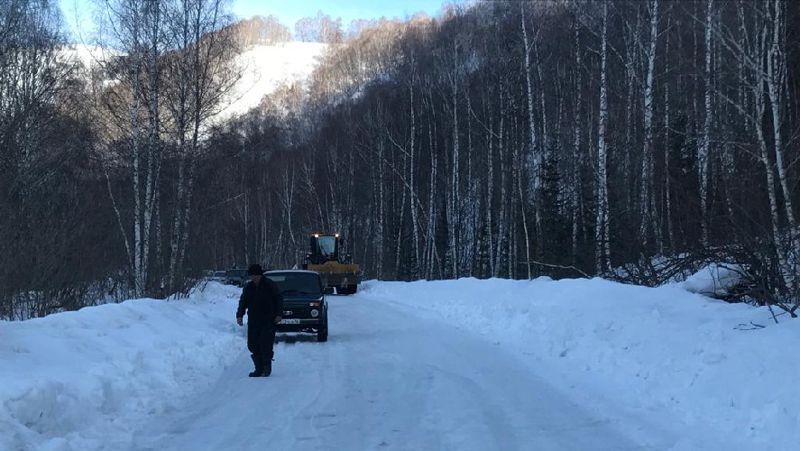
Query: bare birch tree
(198, 76)
(705, 143)
(602, 234)
(647, 206)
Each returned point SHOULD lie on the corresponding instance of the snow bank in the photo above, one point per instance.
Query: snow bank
(713, 280)
(83, 380)
(706, 363)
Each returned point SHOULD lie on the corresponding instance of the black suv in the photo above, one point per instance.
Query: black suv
(304, 306)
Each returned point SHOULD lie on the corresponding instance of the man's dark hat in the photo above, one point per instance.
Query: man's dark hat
(255, 270)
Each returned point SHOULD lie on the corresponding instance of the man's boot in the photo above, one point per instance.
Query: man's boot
(268, 366)
(259, 371)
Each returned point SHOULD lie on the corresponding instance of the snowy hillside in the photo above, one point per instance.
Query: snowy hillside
(266, 67)
(466, 364)
(87, 57)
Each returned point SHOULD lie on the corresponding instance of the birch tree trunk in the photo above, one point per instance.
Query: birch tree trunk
(759, 103)
(776, 84)
(703, 151)
(454, 222)
(154, 20)
(647, 202)
(490, 197)
(381, 209)
(602, 251)
(399, 242)
(501, 233)
(135, 70)
(412, 186)
(576, 153)
(432, 192)
(667, 206)
(632, 44)
(534, 156)
(431, 246)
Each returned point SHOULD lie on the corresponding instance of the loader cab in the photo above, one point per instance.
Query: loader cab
(324, 248)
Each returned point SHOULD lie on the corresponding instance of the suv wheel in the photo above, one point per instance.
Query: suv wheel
(322, 333)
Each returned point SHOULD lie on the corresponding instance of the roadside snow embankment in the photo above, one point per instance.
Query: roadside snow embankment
(83, 380)
(704, 362)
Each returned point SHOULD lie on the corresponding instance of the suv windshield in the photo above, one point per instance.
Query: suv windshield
(296, 282)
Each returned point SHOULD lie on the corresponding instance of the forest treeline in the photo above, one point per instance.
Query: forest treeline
(635, 140)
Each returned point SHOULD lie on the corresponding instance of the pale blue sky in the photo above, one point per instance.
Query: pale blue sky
(78, 13)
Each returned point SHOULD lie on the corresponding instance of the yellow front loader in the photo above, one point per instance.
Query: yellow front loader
(336, 268)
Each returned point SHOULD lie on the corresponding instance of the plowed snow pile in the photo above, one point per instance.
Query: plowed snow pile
(80, 380)
(661, 351)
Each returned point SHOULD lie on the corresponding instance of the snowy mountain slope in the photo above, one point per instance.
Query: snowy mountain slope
(467, 364)
(263, 68)
(266, 67)
(89, 56)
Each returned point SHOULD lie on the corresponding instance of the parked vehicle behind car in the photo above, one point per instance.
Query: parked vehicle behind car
(236, 277)
(304, 306)
(217, 276)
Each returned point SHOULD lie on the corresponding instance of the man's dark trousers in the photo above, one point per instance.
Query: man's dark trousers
(260, 338)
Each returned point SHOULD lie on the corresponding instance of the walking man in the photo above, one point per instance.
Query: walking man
(262, 301)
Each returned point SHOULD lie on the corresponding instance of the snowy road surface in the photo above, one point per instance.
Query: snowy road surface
(430, 365)
(387, 379)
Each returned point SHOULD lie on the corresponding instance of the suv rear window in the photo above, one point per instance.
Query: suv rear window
(297, 282)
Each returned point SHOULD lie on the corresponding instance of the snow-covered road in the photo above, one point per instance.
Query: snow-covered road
(387, 379)
(461, 364)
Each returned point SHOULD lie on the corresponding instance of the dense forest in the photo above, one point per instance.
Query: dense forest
(635, 140)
